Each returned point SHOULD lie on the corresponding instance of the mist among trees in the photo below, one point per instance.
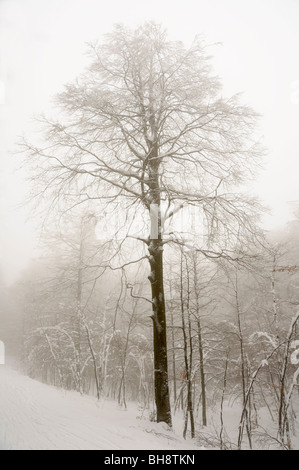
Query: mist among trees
(157, 283)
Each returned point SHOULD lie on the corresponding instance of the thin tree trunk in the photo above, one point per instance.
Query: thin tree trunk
(188, 361)
(283, 419)
(122, 387)
(172, 342)
(200, 349)
(243, 367)
(190, 391)
(79, 317)
(274, 299)
(202, 375)
(173, 360)
(222, 403)
(95, 369)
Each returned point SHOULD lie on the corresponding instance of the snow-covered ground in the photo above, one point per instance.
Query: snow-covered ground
(34, 416)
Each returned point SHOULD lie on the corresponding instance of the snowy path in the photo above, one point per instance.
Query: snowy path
(34, 416)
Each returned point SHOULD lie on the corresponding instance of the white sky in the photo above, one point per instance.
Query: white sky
(42, 46)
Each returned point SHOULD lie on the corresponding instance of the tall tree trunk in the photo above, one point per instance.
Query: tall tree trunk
(222, 447)
(173, 360)
(274, 299)
(190, 391)
(157, 285)
(79, 318)
(172, 342)
(200, 349)
(244, 376)
(94, 361)
(202, 375)
(122, 387)
(188, 360)
(160, 338)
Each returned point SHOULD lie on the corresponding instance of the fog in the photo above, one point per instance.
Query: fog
(76, 293)
(42, 48)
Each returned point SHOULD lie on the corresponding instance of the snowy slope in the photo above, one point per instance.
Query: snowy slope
(34, 416)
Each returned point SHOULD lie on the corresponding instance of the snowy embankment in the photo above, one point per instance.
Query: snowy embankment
(34, 416)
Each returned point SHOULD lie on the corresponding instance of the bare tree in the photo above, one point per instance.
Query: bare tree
(202, 299)
(244, 377)
(187, 341)
(146, 127)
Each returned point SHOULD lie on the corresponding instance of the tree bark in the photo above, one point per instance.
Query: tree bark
(202, 375)
(244, 376)
(200, 349)
(160, 338)
(188, 361)
(173, 360)
(157, 283)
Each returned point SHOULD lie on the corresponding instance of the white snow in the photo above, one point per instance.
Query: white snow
(34, 416)
(270, 339)
(295, 357)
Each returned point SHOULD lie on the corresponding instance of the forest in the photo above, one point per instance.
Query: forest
(156, 283)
